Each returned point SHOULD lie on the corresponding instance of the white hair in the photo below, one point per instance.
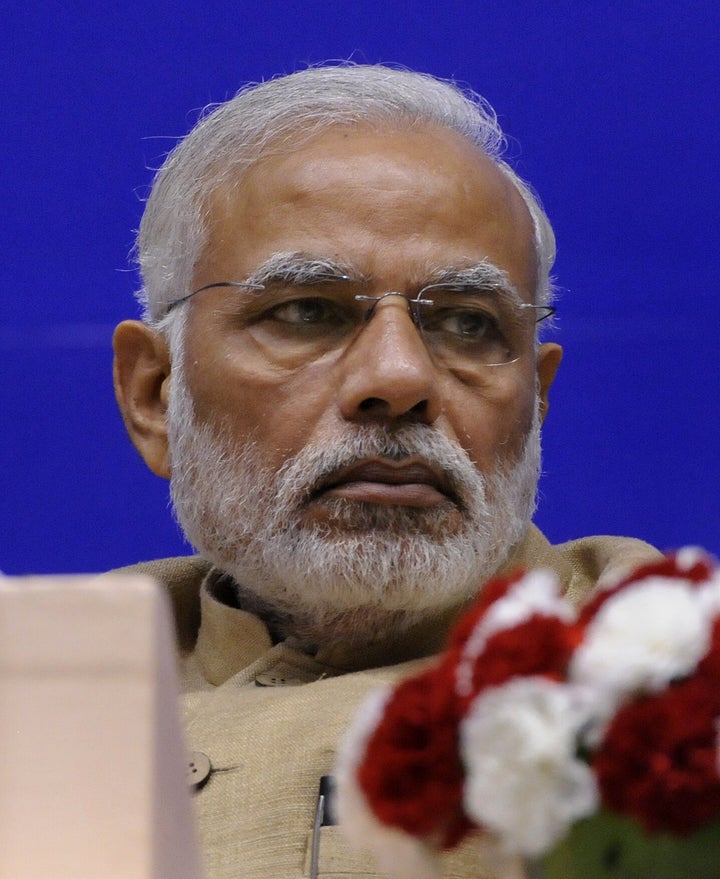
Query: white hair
(288, 110)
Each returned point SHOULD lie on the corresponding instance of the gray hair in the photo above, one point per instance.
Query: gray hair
(284, 111)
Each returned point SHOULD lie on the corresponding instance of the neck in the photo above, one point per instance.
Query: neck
(357, 637)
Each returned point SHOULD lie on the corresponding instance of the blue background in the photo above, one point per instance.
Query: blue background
(612, 111)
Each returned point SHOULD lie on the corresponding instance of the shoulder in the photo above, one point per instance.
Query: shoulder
(182, 578)
(581, 564)
(602, 559)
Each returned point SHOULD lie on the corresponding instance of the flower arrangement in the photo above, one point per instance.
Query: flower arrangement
(586, 742)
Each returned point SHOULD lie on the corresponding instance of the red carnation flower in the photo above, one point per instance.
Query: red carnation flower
(541, 645)
(709, 666)
(411, 773)
(658, 760)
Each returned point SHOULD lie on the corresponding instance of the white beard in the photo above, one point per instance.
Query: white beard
(371, 565)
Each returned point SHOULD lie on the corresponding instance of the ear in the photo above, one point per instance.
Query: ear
(141, 374)
(549, 356)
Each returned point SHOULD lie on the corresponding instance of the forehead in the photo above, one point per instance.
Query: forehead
(392, 202)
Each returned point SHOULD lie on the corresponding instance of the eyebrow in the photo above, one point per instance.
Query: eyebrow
(302, 270)
(484, 277)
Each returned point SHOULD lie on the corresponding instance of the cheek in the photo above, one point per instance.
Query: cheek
(492, 423)
(279, 410)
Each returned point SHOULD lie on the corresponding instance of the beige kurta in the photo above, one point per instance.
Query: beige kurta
(269, 717)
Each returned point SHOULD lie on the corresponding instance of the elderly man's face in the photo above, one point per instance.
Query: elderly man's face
(403, 475)
(396, 206)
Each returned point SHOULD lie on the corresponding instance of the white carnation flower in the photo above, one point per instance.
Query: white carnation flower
(709, 595)
(538, 592)
(689, 556)
(642, 638)
(524, 781)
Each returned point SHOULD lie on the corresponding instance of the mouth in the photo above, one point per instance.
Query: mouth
(409, 483)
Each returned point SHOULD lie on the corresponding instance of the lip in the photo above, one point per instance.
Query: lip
(411, 482)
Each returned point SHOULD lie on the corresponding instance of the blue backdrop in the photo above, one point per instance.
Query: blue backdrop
(612, 109)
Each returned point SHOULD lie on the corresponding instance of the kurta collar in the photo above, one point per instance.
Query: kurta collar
(229, 639)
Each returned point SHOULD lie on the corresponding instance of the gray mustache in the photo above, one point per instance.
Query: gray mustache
(313, 467)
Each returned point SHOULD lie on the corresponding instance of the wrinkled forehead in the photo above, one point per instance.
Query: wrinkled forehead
(408, 186)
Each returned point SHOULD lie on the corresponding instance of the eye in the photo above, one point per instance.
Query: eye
(307, 312)
(464, 324)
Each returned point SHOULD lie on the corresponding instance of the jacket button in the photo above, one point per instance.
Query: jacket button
(283, 674)
(268, 679)
(198, 770)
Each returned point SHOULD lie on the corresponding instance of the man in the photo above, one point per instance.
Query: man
(340, 374)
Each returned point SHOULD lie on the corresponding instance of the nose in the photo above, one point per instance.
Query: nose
(389, 374)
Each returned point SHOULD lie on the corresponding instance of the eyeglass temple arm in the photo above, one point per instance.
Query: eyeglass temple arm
(246, 284)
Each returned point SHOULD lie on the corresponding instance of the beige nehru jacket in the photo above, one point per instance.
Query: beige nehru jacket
(269, 717)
